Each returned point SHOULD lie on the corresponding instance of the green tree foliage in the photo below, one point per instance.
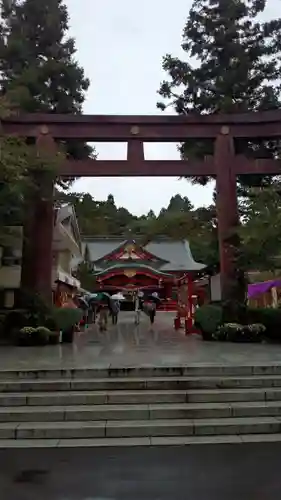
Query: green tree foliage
(86, 277)
(38, 67)
(260, 230)
(235, 67)
(104, 218)
(17, 160)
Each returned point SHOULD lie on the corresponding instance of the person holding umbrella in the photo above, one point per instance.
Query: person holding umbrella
(115, 306)
(92, 300)
(150, 306)
(115, 309)
(138, 306)
(103, 310)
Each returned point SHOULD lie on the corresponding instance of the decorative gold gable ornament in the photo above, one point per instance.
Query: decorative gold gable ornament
(130, 273)
(130, 249)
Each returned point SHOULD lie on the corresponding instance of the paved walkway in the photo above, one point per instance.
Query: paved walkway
(125, 345)
(222, 472)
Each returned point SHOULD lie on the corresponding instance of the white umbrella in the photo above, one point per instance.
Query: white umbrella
(118, 296)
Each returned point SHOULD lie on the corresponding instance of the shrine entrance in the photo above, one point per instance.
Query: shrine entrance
(224, 165)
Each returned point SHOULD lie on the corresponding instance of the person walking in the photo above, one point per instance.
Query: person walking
(151, 306)
(137, 310)
(103, 316)
(115, 309)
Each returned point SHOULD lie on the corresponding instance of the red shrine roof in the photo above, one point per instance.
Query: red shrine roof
(128, 265)
(162, 254)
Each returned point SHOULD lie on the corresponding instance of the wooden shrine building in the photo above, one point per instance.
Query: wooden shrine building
(128, 265)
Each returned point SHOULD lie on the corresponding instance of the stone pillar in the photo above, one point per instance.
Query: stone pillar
(36, 274)
(227, 213)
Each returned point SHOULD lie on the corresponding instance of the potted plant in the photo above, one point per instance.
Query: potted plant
(66, 319)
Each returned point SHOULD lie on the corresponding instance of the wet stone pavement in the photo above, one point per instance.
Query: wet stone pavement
(126, 345)
(217, 472)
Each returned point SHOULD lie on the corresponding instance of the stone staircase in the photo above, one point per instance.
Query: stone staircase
(145, 406)
(168, 306)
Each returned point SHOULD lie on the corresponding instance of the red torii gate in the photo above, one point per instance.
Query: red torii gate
(135, 131)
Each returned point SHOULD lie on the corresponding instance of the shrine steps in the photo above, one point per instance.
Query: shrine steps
(168, 306)
(140, 407)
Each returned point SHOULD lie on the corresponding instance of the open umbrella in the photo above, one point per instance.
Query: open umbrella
(154, 297)
(83, 303)
(91, 297)
(118, 296)
(104, 297)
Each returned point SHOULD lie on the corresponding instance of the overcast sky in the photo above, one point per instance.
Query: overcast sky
(120, 45)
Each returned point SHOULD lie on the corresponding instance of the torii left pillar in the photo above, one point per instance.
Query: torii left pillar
(227, 215)
(37, 252)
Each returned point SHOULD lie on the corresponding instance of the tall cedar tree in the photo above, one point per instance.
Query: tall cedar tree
(235, 67)
(37, 61)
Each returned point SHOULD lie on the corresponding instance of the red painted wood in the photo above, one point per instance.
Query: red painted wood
(227, 210)
(141, 274)
(135, 120)
(168, 168)
(138, 129)
(135, 151)
(122, 168)
(37, 258)
(150, 128)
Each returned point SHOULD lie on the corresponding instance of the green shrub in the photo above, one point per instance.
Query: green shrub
(42, 335)
(15, 320)
(228, 331)
(34, 313)
(235, 332)
(208, 318)
(66, 318)
(27, 330)
(270, 318)
(256, 328)
(26, 336)
(234, 312)
(42, 330)
(36, 310)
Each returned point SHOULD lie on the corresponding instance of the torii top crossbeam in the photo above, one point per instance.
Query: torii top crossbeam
(148, 128)
(135, 130)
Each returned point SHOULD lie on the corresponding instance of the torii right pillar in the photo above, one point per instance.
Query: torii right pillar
(227, 215)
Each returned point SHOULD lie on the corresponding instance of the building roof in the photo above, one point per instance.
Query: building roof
(176, 255)
(100, 247)
(67, 213)
(129, 265)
